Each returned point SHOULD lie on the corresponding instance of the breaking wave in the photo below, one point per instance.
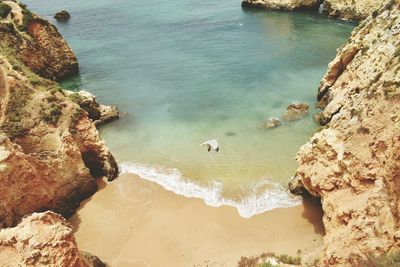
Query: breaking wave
(257, 202)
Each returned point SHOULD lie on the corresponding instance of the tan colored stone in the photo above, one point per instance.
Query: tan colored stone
(281, 4)
(42, 239)
(295, 112)
(98, 113)
(352, 9)
(353, 164)
(50, 151)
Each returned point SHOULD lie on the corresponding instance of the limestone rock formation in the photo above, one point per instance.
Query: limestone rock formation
(36, 43)
(98, 113)
(353, 164)
(295, 111)
(49, 148)
(271, 123)
(288, 5)
(345, 9)
(42, 239)
(350, 9)
(63, 15)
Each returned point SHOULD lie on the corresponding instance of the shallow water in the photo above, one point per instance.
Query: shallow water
(185, 71)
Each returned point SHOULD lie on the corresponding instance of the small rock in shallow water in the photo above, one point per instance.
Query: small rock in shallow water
(272, 123)
(230, 133)
(63, 15)
(295, 112)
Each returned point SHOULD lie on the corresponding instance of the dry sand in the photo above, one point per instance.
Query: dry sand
(133, 222)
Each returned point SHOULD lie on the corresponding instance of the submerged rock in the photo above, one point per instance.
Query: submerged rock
(353, 164)
(295, 112)
(42, 239)
(282, 4)
(63, 15)
(271, 123)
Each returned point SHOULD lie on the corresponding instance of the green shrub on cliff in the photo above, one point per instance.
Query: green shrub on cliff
(23, 6)
(4, 10)
(28, 17)
(263, 261)
(52, 114)
(389, 260)
(289, 259)
(76, 98)
(266, 264)
(15, 112)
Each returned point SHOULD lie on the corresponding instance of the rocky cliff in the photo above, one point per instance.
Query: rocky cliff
(49, 148)
(345, 9)
(351, 9)
(42, 239)
(282, 4)
(36, 43)
(353, 164)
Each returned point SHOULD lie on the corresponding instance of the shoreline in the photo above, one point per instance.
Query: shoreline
(262, 196)
(189, 233)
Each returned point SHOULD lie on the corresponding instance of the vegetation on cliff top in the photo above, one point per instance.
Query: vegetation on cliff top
(262, 260)
(389, 260)
(4, 10)
(27, 19)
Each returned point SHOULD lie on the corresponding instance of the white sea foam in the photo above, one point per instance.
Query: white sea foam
(172, 179)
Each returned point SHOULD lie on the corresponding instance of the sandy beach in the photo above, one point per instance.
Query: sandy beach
(133, 222)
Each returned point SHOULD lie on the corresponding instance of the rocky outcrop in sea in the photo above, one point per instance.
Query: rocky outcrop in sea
(344, 9)
(350, 9)
(288, 5)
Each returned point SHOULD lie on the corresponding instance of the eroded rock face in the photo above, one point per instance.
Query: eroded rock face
(288, 5)
(350, 9)
(42, 239)
(49, 148)
(295, 111)
(36, 43)
(98, 113)
(354, 163)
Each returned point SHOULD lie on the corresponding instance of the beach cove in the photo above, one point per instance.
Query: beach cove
(132, 222)
(179, 78)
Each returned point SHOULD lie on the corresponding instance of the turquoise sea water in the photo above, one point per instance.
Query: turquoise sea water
(185, 71)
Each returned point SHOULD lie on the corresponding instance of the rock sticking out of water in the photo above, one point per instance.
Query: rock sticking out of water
(63, 16)
(288, 5)
(295, 112)
(98, 113)
(271, 123)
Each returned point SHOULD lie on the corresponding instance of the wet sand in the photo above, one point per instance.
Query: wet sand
(133, 222)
